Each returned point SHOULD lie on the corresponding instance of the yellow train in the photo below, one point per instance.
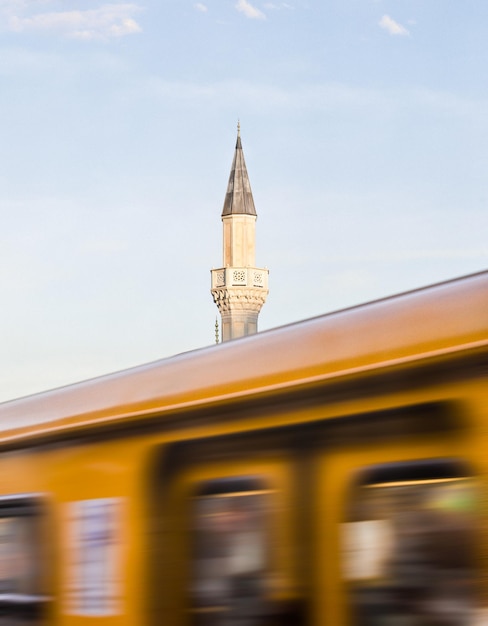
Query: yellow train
(332, 472)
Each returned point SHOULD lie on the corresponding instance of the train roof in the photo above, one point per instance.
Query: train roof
(427, 323)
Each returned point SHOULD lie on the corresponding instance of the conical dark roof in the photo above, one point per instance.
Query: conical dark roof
(238, 199)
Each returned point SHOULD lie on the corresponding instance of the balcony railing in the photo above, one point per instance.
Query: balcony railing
(240, 277)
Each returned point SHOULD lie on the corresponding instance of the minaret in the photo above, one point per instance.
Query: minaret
(239, 289)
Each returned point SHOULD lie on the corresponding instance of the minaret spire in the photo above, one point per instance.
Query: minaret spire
(239, 289)
(238, 199)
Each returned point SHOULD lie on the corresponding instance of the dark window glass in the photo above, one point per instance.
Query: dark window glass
(22, 600)
(230, 552)
(409, 547)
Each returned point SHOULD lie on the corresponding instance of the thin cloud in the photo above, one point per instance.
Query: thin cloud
(323, 97)
(106, 22)
(201, 7)
(272, 6)
(249, 10)
(394, 28)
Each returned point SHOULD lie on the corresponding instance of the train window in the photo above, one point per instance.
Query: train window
(22, 597)
(230, 552)
(408, 546)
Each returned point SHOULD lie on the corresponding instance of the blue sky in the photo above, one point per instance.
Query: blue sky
(364, 126)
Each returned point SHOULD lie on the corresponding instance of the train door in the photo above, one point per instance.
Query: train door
(406, 537)
(230, 535)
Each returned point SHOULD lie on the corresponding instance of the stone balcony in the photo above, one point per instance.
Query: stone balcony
(251, 277)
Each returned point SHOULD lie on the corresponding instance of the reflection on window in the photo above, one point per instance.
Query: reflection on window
(408, 552)
(230, 555)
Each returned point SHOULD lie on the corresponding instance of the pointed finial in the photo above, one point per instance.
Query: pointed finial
(216, 331)
(238, 128)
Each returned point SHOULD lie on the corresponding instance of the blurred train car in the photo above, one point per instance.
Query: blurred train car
(332, 472)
